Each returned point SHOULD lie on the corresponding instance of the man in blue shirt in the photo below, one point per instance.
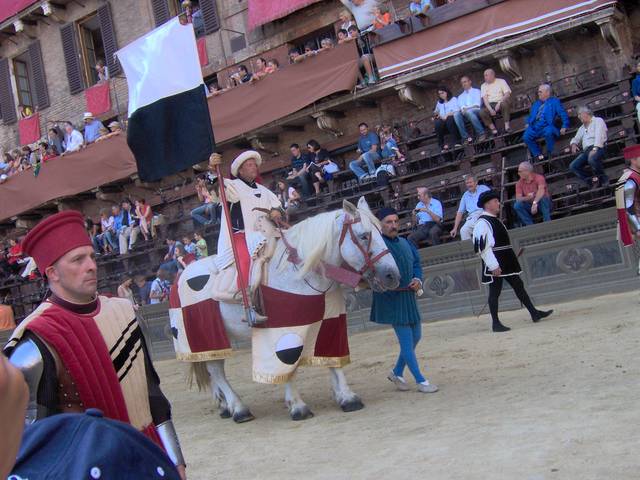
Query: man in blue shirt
(369, 149)
(398, 308)
(92, 128)
(541, 122)
(469, 101)
(469, 205)
(299, 173)
(427, 216)
(635, 90)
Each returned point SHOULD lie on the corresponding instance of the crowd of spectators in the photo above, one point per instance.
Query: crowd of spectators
(119, 227)
(61, 138)
(59, 141)
(14, 265)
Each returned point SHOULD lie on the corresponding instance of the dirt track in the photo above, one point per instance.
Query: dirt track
(556, 400)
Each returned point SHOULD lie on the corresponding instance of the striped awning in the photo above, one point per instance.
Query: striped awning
(500, 21)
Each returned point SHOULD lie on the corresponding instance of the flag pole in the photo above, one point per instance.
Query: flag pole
(214, 166)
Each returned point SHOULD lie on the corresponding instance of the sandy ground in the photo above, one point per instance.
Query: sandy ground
(555, 400)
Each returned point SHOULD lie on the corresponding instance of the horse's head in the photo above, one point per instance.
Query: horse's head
(363, 248)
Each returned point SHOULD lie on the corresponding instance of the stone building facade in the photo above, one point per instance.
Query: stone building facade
(549, 55)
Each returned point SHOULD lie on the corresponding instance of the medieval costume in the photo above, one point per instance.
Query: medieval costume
(399, 309)
(628, 197)
(247, 202)
(492, 243)
(80, 356)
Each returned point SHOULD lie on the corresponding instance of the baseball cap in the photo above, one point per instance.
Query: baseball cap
(89, 446)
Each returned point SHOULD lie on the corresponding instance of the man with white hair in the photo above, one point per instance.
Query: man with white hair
(591, 137)
(541, 122)
(468, 205)
(73, 139)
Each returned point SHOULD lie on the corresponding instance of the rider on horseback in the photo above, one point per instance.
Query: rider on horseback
(247, 201)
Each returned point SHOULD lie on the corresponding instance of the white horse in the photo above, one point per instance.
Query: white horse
(350, 236)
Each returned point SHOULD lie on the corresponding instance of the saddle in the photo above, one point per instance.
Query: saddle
(261, 244)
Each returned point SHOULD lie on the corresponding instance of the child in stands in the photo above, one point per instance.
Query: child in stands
(382, 17)
(202, 250)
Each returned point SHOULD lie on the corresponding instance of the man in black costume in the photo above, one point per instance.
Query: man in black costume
(499, 261)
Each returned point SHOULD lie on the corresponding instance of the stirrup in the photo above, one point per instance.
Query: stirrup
(255, 319)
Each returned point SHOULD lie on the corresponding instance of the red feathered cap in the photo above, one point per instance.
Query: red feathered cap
(54, 236)
(631, 152)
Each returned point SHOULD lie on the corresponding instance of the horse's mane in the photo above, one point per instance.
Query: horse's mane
(316, 237)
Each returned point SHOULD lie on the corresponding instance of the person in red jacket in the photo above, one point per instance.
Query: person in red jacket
(81, 350)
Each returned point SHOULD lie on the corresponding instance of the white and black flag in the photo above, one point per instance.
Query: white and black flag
(169, 123)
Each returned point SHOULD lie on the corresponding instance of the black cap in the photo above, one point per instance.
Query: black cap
(72, 445)
(385, 212)
(486, 196)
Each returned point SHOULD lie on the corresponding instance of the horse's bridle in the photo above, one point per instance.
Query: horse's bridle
(369, 261)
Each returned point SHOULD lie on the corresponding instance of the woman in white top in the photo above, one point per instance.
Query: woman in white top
(446, 108)
(124, 291)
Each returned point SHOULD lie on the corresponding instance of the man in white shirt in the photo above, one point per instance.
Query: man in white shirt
(73, 139)
(591, 137)
(427, 216)
(362, 10)
(470, 101)
(469, 205)
(496, 98)
(160, 287)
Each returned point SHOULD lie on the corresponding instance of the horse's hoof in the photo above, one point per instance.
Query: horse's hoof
(243, 416)
(303, 413)
(352, 405)
(226, 413)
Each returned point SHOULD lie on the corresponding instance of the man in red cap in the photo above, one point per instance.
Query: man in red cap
(80, 350)
(628, 198)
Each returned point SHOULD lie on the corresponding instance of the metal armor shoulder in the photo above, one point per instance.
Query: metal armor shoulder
(630, 188)
(27, 358)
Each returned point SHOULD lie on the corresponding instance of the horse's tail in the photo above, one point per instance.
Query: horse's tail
(200, 372)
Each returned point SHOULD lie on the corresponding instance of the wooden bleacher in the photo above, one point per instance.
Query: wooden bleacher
(493, 161)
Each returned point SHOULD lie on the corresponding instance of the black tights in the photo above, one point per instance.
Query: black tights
(495, 288)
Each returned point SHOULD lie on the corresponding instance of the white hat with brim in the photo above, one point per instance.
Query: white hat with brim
(88, 115)
(243, 157)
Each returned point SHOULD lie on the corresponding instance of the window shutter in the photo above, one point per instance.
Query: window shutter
(160, 11)
(210, 16)
(71, 58)
(39, 79)
(7, 103)
(108, 39)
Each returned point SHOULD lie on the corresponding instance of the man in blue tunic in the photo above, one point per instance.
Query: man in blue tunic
(398, 308)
